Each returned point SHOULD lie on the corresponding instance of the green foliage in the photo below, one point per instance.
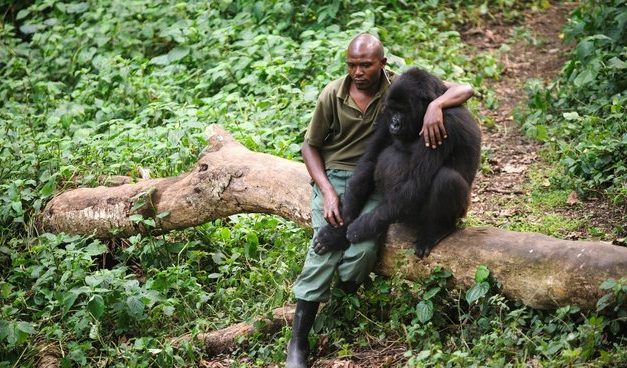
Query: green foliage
(98, 88)
(582, 114)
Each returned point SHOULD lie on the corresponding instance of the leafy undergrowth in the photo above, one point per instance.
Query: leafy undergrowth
(582, 114)
(90, 89)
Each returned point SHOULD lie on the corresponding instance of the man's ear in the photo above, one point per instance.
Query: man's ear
(384, 62)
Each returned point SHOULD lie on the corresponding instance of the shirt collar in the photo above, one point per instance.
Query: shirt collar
(384, 83)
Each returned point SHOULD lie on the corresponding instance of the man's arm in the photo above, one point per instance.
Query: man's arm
(315, 167)
(433, 124)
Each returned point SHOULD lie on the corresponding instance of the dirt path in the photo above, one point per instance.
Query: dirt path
(536, 51)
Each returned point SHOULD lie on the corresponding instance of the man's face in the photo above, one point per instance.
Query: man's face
(364, 67)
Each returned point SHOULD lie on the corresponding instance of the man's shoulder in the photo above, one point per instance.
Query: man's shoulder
(333, 88)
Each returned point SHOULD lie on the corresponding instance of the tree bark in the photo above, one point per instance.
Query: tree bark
(540, 271)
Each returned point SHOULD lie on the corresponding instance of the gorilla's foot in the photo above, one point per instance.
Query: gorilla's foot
(348, 287)
(330, 238)
(426, 242)
(360, 230)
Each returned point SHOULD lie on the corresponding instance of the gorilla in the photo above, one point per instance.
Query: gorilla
(427, 189)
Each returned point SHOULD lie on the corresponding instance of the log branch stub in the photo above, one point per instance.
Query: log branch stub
(226, 340)
(540, 271)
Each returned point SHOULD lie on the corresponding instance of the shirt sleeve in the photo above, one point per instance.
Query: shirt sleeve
(321, 120)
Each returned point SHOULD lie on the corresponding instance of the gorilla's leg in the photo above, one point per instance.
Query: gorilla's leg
(447, 202)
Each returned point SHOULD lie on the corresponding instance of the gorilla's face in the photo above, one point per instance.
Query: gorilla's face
(398, 117)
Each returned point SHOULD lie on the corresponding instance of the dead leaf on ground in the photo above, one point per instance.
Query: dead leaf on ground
(572, 199)
(514, 169)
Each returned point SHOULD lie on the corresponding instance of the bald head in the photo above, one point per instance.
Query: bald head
(365, 63)
(366, 43)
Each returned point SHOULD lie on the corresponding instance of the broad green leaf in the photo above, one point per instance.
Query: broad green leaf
(584, 49)
(617, 63)
(4, 329)
(177, 54)
(603, 302)
(17, 207)
(26, 327)
(76, 8)
(431, 293)
(608, 284)
(22, 14)
(481, 274)
(68, 300)
(96, 306)
(94, 280)
(573, 115)
(160, 60)
(136, 218)
(96, 248)
(424, 310)
(149, 222)
(163, 215)
(168, 310)
(135, 306)
(477, 291)
(584, 78)
(31, 28)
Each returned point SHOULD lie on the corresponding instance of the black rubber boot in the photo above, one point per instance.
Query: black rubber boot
(298, 347)
(348, 287)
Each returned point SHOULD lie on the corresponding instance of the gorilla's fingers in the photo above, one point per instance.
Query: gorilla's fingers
(422, 252)
(320, 249)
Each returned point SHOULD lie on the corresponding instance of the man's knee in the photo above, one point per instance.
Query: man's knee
(358, 262)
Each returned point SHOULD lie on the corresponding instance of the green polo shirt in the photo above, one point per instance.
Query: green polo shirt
(338, 128)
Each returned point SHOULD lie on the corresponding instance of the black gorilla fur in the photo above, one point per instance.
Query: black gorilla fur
(428, 189)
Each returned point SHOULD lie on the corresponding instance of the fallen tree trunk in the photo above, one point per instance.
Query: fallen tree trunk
(227, 339)
(540, 271)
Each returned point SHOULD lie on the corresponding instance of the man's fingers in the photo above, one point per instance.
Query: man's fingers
(425, 134)
(328, 215)
(333, 218)
(433, 142)
(337, 218)
(437, 138)
(443, 131)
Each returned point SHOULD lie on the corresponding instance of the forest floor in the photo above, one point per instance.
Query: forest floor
(534, 51)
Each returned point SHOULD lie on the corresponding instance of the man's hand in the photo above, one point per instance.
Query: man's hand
(433, 126)
(332, 209)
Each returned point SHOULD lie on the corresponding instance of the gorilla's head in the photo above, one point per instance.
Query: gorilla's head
(400, 115)
(406, 102)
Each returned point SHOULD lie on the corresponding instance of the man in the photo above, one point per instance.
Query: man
(337, 134)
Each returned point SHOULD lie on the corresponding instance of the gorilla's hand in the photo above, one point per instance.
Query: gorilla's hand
(330, 238)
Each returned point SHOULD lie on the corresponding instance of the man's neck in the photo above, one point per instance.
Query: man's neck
(362, 97)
